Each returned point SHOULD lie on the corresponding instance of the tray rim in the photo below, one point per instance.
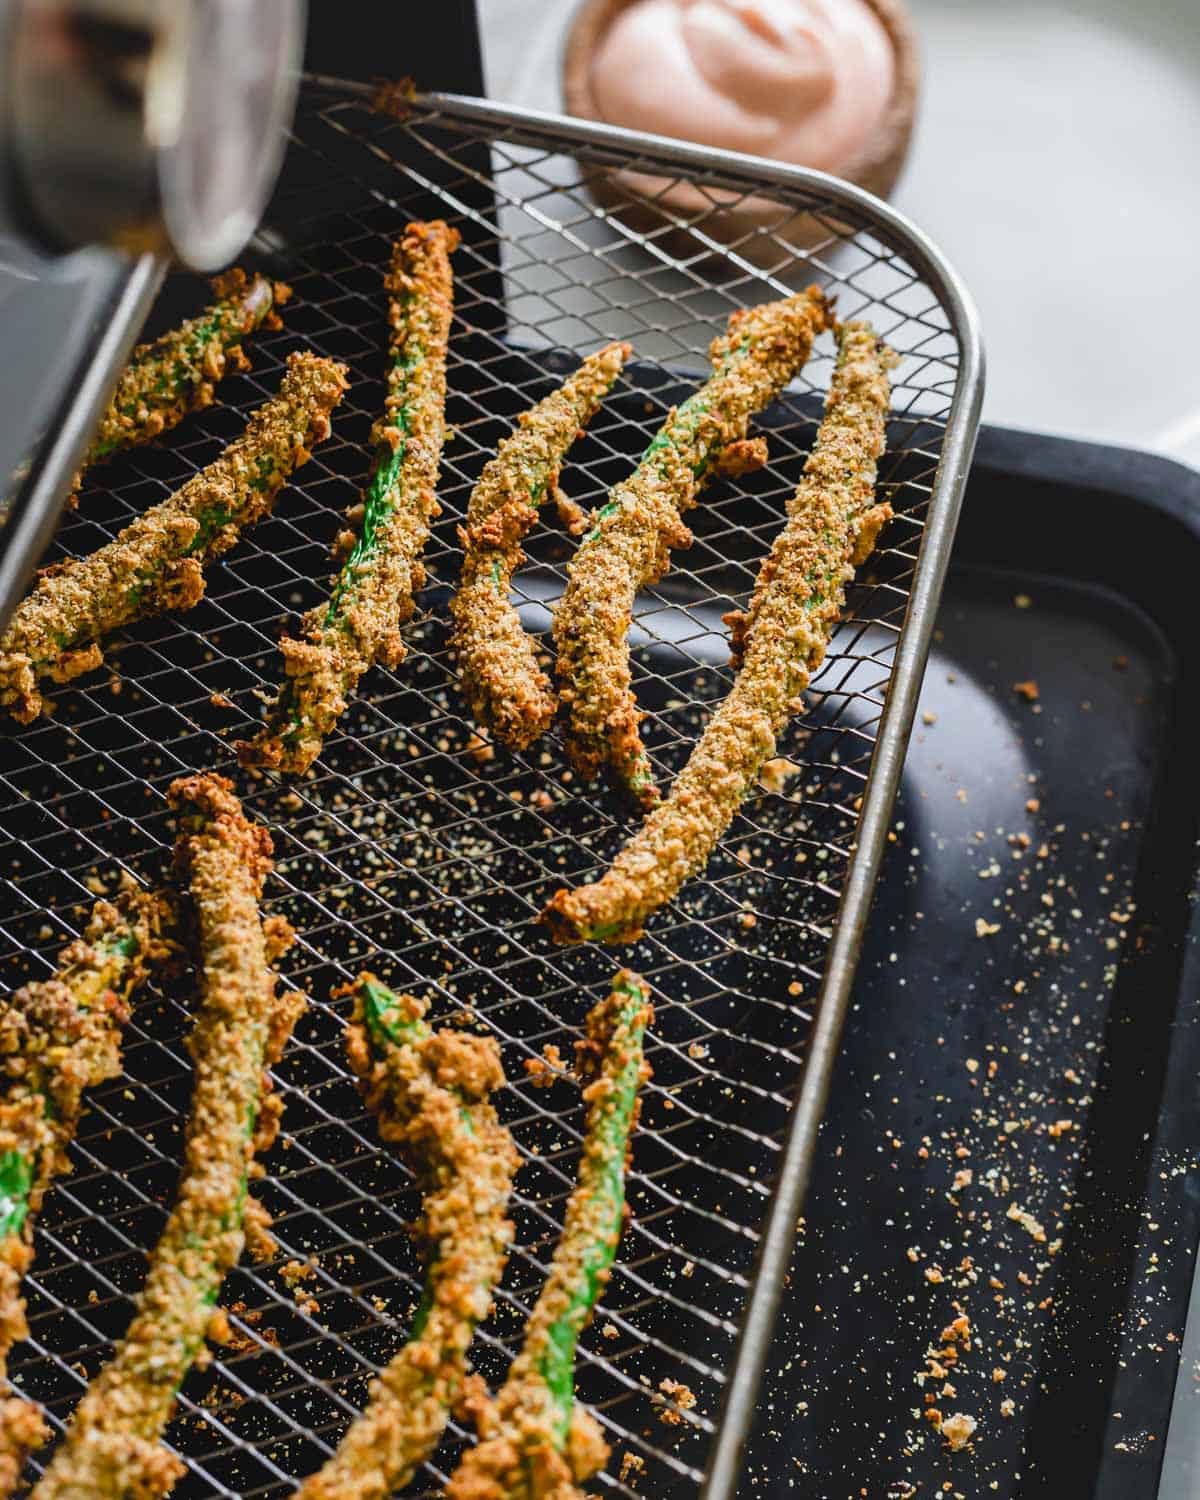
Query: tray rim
(1138, 474)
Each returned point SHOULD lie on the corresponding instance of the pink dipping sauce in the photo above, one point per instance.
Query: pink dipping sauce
(802, 81)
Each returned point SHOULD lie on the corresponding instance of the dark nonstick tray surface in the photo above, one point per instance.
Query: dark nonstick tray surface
(1076, 569)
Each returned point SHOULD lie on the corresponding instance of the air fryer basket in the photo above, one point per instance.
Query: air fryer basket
(417, 848)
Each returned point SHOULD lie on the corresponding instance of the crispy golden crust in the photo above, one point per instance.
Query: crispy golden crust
(537, 1443)
(22, 1430)
(508, 692)
(157, 563)
(374, 594)
(178, 373)
(59, 1037)
(430, 1093)
(523, 1461)
(633, 533)
(831, 527)
(112, 1447)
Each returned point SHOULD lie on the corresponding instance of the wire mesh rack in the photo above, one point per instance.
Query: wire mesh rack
(418, 848)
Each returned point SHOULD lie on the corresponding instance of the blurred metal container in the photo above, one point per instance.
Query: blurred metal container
(145, 124)
(131, 132)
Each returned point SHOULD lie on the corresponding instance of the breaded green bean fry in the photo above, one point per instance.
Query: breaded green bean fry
(112, 1448)
(59, 1037)
(177, 373)
(632, 534)
(541, 1443)
(157, 563)
(373, 594)
(508, 692)
(430, 1091)
(831, 528)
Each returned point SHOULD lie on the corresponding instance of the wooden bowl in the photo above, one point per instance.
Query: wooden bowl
(761, 227)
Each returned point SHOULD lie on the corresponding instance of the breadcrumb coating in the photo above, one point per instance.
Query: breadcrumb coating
(539, 1444)
(632, 534)
(374, 593)
(112, 1447)
(157, 563)
(508, 692)
(430, 1092)
(832, 525)
(59, 1037)
(178, 373)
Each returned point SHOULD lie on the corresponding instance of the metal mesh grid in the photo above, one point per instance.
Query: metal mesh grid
(415, 848)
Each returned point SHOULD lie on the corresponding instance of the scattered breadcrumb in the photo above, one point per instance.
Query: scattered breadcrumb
(293, 1274)
(958, 1430)
(675, 1399)
(631, 1464)
(296, 1270)
(1027, 1222)
(238, 1342)
(545, 1070)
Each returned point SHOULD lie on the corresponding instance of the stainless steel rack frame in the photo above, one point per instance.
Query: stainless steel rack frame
(416, 848)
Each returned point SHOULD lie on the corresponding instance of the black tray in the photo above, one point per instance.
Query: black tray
(1100, 550)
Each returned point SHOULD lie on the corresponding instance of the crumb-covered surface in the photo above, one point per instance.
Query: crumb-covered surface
(1002, 1225)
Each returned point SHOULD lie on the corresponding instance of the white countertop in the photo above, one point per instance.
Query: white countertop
(1055, 162)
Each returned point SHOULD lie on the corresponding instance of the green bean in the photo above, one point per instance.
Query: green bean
(157, 563)
(177, 373)
(112, 1448)
(541, 1441)
(430, 1092)
(373, 593)
(508, 692)
(59, 1037)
